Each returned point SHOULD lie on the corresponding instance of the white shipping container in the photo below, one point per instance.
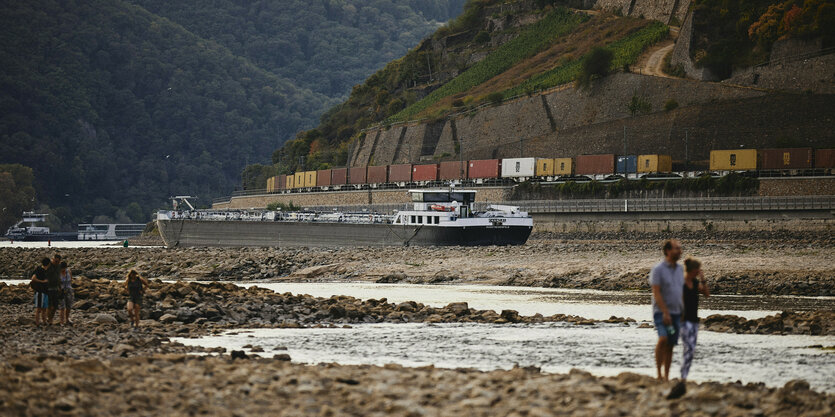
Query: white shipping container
(518, 167)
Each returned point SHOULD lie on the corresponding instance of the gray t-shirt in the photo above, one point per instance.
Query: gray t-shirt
(671, 280)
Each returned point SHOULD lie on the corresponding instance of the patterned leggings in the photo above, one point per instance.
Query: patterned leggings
(689, 333)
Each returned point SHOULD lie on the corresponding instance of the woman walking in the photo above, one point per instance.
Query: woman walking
(694, 283)
(67, 295)
(135, 285)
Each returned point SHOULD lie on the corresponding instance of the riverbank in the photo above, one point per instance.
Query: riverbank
(194, 309)
(757, 264)
(180, 384)
(100, 365)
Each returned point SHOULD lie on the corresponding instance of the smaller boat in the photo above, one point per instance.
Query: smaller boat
(27, 231)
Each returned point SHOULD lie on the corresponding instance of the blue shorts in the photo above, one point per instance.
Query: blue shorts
(672, 339)
(41, 300)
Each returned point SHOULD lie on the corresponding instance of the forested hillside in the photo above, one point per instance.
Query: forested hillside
(114, 107)
(327, 46)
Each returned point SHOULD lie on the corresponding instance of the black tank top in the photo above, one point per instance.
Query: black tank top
(691, 302)
(135, 287)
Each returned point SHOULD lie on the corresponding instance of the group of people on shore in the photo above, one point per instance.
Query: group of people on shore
(675, 308)
(52, 283)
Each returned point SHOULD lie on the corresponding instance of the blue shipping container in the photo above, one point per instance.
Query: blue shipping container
(627, 164)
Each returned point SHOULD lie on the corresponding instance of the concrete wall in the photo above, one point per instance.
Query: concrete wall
(732, 222)
(663, 10)
(811, 74)
(569, 122)
(796, 186)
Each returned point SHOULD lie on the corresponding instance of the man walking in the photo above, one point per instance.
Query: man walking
(53, 290)
(667, 281)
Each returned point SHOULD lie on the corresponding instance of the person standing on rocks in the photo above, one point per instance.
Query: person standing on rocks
(135, 285)
(39, 284)
(694, 283)
(667, 281)
(53, 290)
(67, 295)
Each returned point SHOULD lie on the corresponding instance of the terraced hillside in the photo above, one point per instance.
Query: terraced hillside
(494, 51)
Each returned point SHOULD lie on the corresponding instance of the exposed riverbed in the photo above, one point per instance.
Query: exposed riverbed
(602, 349)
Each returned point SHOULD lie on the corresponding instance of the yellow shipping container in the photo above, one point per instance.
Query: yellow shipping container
(544, 167)
(288, 182)
(655, 163)
(298, 181)
(310, 178)
(563, 166)
(270, 184)
(733, 160)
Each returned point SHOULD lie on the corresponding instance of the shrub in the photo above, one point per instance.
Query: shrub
(482, 37)
(639, 105)
(671, 104)
(495, 98)
(595, 65)
(458, 103)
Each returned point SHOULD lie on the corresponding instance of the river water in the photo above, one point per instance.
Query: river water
(603, 349)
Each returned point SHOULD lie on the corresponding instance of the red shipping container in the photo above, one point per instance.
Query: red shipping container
(824, 158)
(400, 173)
(452, 170)
(282, 182)
(323, 177)
(595, 164)
(378, 174)
(339, 176)
(786, 158)
(485, 168)
(425, 172)
(357, 175)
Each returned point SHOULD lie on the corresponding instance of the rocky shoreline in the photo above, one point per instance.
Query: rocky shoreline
(752, 267)
(102, 366)
(176, 384)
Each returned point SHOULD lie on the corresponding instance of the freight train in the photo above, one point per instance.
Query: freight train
(765, 162)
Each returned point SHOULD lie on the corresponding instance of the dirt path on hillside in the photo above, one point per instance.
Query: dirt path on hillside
(651, 62)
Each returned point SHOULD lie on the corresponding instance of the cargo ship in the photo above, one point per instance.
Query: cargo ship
(109, 231)
(440, 217)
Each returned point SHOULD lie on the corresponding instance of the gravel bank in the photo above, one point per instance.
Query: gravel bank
(770, 265)
(171, 384)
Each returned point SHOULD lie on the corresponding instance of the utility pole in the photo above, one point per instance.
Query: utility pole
(686, 155)
(461, 157)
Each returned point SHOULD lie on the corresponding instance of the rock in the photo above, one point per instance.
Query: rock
(104, 318)
(796, 385)
(238, 354)
(511, 316)
(123, 348)
(458, 308)
(256, 349)
(282, 357)
(392, 278)
(406, 306)
(168, 318)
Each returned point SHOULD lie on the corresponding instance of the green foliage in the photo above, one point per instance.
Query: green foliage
(324, 46)
(278, 206)
(531, 40)
(482, 37)
(595, 64)
(111, 105)
(639, 105)
(17, 193)
(626, 51)
(495, 98)
(670, 104)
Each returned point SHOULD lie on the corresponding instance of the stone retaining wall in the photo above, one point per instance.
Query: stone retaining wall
(796, 187)
(549, 223)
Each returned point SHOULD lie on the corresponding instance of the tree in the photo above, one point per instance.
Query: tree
(16, 193)
(595, 65)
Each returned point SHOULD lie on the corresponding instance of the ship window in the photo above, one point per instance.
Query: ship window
(437, 219)
(413, 220)
(420, 219)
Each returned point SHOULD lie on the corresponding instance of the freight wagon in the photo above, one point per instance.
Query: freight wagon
(607, 167)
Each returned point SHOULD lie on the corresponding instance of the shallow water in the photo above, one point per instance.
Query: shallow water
(5, 243)
(602, 349)
(591, 304)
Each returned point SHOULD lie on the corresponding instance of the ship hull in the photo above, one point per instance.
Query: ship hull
(43, 238)
(192, 233)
